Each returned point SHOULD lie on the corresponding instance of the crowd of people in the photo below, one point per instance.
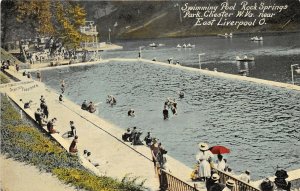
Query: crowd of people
(157, 152)
(208, 166)
(207, 162)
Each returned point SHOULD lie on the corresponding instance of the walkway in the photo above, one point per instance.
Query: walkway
(100, 137)
(16, 176)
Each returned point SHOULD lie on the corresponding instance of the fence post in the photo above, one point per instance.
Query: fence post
(195, 186)
(21, 113)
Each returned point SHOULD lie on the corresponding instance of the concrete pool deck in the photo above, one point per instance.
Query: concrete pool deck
(26, 176)
(103, 139)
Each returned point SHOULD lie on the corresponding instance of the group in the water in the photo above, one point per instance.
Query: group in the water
(111, 100)
(90, 107)
(170, 103)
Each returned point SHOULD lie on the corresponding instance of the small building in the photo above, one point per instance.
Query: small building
(91, 30)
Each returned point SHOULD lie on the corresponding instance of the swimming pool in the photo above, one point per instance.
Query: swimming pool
(257, 122)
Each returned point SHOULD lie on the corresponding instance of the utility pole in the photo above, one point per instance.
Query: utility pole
(292, 70)
(109, 35)
(177, 5)
(200, 59)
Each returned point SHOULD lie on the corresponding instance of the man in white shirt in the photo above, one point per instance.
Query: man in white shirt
(221, 163)
(245, 176)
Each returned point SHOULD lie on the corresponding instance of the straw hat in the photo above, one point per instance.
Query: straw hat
(215, 177)
(230, 183)
(203, 146)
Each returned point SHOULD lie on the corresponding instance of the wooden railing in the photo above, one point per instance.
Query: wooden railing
(239, 185)
(171, 183)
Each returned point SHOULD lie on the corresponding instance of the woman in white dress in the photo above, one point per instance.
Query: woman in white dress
(203, 157)
(204, 152)
(204, 169)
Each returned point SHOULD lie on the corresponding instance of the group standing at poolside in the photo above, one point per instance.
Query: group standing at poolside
(41, 116)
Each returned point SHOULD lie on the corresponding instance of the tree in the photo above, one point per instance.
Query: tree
(58, 19)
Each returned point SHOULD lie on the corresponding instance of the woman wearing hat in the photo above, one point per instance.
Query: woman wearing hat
(204, 152)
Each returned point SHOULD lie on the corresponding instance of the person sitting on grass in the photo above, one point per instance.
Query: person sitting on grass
(50, 126)
(73, 147)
